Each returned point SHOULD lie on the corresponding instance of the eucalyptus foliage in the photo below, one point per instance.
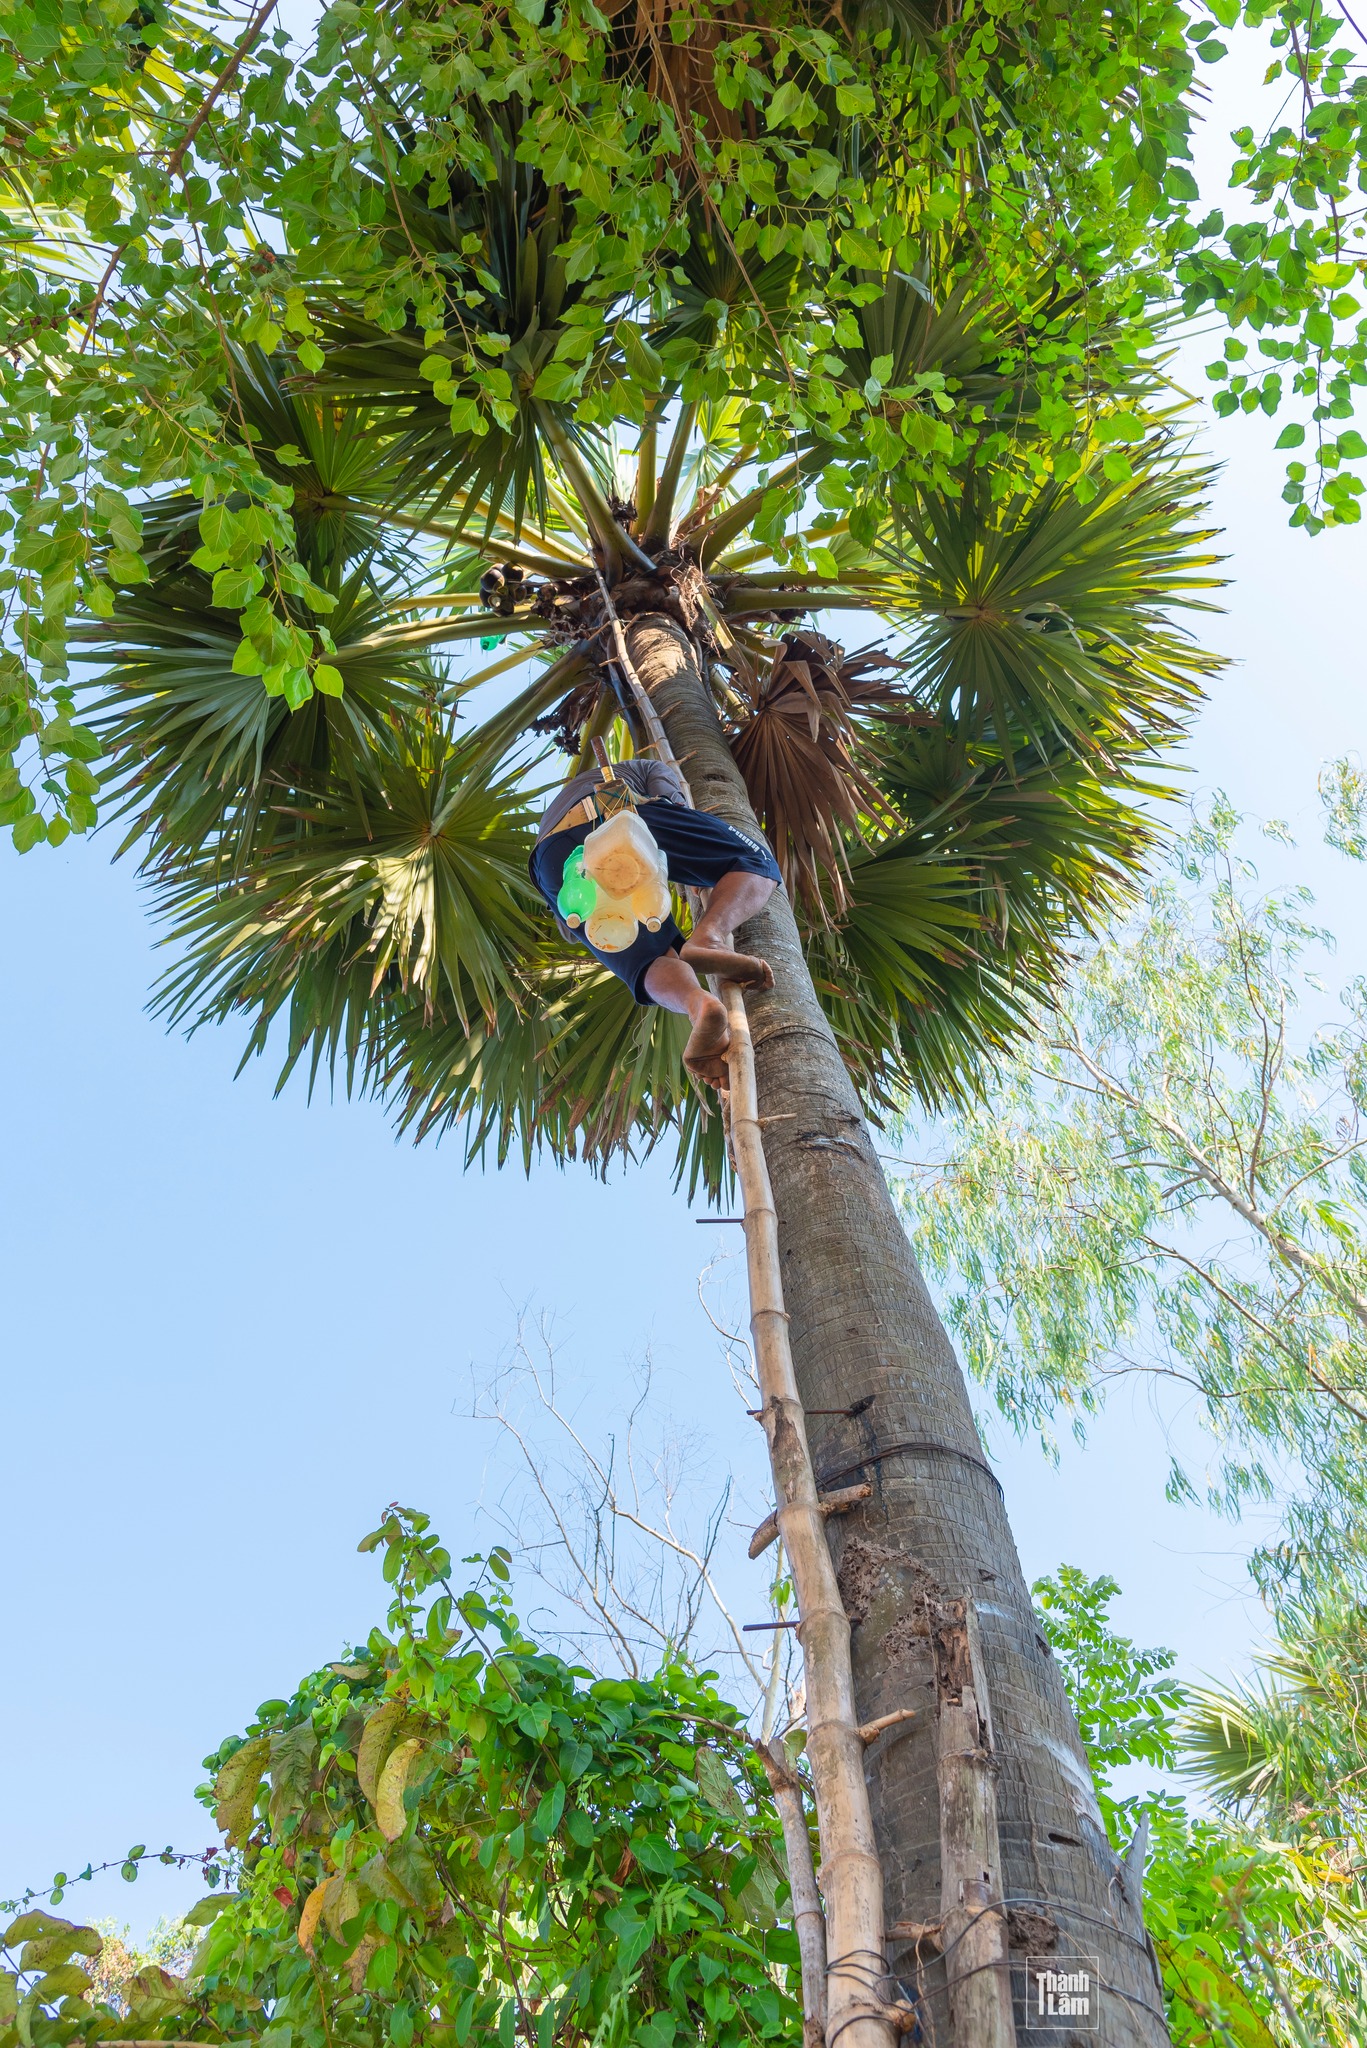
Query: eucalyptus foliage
(450, 1835)
(1173, 1182)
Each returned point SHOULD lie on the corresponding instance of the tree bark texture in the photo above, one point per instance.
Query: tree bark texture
(935, 1527)
(974, 1931)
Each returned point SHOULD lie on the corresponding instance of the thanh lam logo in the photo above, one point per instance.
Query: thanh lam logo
(1062, 1993)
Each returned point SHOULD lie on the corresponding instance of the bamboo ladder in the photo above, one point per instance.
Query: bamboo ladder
(844, 1964)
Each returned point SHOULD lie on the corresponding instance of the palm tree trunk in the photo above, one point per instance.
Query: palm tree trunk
(935, 1527)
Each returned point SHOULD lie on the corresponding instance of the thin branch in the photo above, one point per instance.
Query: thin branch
(1294, 1255)
(221, 84)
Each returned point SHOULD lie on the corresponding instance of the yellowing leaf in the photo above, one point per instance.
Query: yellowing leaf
(50, 1949)
(360, 1961)
(377, 1739)
(313, 1913)
(389, 1810)
(339, 1905)
(235, 1789)
(154, 1992)
(31, 1926)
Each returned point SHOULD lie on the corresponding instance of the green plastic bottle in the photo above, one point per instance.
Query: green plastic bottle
(578, 896)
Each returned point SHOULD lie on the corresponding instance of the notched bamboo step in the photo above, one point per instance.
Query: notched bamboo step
(870, 1731)
(928, 1934)
(838, 1503)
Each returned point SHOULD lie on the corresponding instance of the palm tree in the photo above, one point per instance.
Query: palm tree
(1288, 1751)
(1285, 1754)
(335, 820)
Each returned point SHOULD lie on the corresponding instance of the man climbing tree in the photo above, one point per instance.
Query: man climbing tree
(660, 965)
(646, 342)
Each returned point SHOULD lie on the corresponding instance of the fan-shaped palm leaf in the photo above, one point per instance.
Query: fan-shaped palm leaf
(418, 876)
(1287, 1747)
(1040, 617)
(196, 743)
(580, 1070)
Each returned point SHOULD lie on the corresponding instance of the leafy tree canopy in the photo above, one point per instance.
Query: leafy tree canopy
(1256, 1914)
(471, 326)
(1172, 1181)
(451, 1835)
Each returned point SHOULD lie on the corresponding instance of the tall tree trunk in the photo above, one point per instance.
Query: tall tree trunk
(862, 1325)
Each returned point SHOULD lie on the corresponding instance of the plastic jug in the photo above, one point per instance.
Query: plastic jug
(613, 926)
(651, 902)
(622, 855)
(611, 918)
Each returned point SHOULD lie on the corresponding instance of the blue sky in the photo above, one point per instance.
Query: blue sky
(239, 1326)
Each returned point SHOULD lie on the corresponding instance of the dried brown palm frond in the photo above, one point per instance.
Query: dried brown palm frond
(796, 742)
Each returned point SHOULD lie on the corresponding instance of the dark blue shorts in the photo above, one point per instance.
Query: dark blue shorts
(699, 847)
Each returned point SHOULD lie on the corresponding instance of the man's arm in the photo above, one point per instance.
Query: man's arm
(664, 780)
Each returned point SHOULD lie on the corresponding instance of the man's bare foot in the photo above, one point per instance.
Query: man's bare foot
(746, 968)
(705, 1052)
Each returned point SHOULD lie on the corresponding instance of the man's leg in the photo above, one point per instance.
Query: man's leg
(735, 899)
(673, 984)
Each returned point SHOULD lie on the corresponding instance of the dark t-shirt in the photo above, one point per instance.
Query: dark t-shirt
(648, 779)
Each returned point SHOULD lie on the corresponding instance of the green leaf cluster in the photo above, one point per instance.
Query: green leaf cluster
(451, 1835)
(1256, 1911)
(513, 238)
(1284, 261)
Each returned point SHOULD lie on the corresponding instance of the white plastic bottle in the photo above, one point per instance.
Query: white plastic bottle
(622, 856)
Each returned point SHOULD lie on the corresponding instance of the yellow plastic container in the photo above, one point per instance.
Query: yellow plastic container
(612, 926)
(622, 856)
(632, 874)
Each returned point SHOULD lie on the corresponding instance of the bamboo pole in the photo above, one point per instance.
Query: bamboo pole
(649, 716)
(841, 1991)
(857, 2015)
(809, 1920)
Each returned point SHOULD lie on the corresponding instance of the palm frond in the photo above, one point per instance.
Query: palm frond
(193, 742)
(1040, 617)
(506, 226)
(416, 876)
(1285, 1748)
(957, 929)
(579, 1071)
